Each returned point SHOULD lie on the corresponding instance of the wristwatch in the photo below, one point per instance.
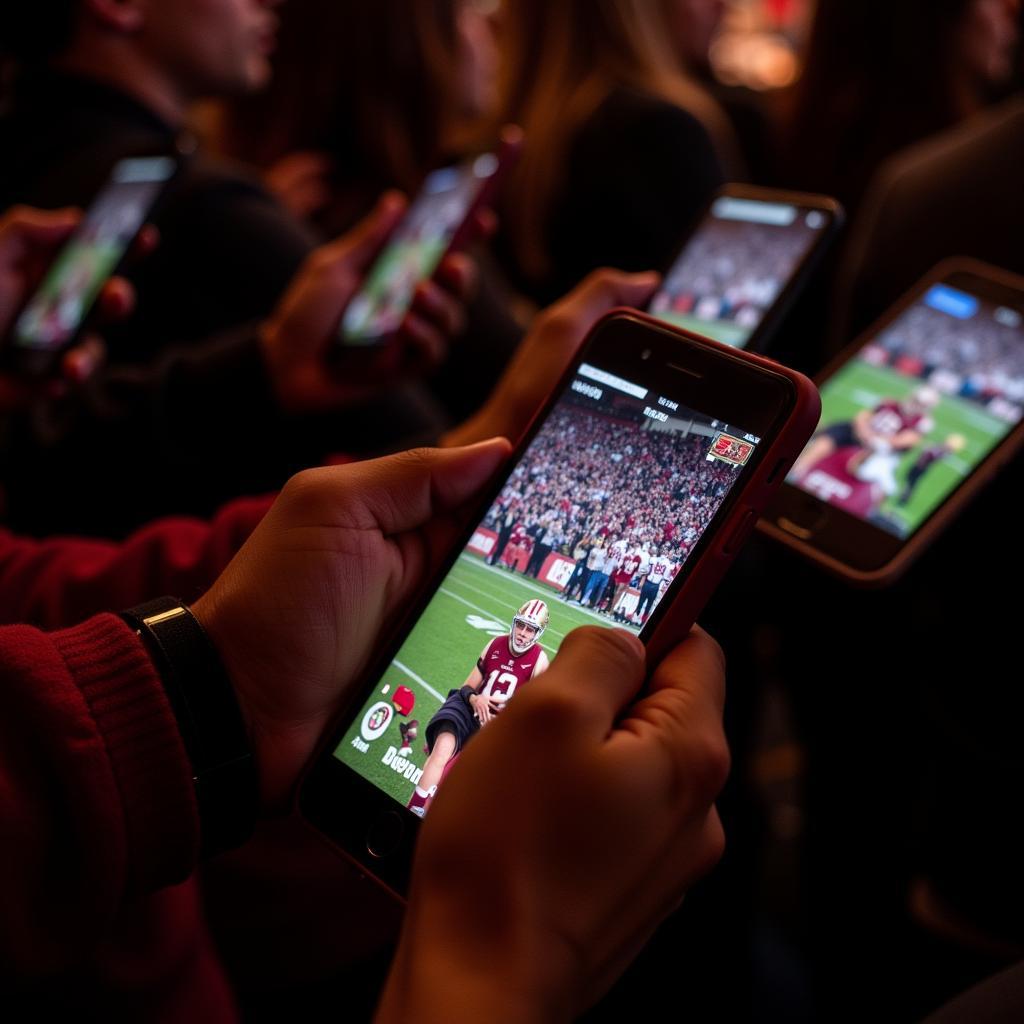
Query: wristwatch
(209, 719)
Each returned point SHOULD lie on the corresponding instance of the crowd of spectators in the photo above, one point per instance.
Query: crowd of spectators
(733, 271)
(984, 362)
(589, 477)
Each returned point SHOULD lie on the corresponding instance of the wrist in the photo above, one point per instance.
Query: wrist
(449, 973)
(280, 749)
(209, 719)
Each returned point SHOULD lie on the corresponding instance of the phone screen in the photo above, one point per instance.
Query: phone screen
(736, 266)
(414, 250)
(920, 405)
(592, 525)
(66, 295)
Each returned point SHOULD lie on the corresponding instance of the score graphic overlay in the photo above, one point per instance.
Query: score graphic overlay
(592, 525)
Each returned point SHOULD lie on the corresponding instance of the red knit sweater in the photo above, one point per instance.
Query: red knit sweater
(98, 827)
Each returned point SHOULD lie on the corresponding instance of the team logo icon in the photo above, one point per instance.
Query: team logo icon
(376, 721)
(730, 449)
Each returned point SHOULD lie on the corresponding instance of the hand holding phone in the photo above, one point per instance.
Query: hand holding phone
(363, 537)
(652, 460)
(29, 239)
(299, 340)
(553, 341)
(442, 219)
(53, 318)
(591, 810)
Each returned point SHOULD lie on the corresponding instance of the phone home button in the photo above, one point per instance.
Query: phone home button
(384, 835)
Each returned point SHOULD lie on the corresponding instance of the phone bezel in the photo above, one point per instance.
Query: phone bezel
(340, 803)
(763, 333)
(850, 547)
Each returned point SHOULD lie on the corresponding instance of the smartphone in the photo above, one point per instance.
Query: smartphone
(440, 220)
(629, 496)
(53, 316)
(747, 259)
(918, 414)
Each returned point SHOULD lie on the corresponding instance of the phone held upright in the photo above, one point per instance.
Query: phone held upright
(918, 414)
(627, 500)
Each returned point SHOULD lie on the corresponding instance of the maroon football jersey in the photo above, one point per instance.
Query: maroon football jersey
(628, 570)
(503, 671)
(659, 570)
(889, 418)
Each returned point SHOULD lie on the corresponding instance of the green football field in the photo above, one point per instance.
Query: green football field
(475, 603)
(862, 385)
(720, 330)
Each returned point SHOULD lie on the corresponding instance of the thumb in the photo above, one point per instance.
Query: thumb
(603, 290)
(402, 492)
(360, 246)
(601, 668)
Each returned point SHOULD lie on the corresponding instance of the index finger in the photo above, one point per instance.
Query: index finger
(597, 672)
(673, 737)
(695, 665)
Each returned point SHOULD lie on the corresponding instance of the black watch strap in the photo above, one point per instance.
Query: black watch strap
(210, 721)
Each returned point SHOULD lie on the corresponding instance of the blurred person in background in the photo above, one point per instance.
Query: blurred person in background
(944, 908)
(623, 147)
(694, 26)
(366, 97)
(956, 194)
(97, 81)
(879, 76)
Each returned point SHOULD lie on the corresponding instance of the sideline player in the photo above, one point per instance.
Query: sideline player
(506, 663)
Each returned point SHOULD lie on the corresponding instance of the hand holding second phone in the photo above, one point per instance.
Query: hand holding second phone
(300, 338)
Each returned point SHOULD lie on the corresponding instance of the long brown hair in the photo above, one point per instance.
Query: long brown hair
(560, 61)
(366, 81)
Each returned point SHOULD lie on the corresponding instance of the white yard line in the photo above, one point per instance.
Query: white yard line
(419, 679)
(506, 575)
(458, 581)
(483, 611)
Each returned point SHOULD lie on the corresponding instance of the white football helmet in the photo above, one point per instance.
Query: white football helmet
(534, 614)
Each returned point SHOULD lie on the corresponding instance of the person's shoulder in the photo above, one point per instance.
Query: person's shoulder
(208, 178)
(227, 203)
(644, 119)
(990, 142)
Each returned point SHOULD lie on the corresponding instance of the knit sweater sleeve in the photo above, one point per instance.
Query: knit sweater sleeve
(59, 581)
(96, 800)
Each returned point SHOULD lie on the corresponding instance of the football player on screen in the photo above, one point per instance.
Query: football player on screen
(507, 663)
